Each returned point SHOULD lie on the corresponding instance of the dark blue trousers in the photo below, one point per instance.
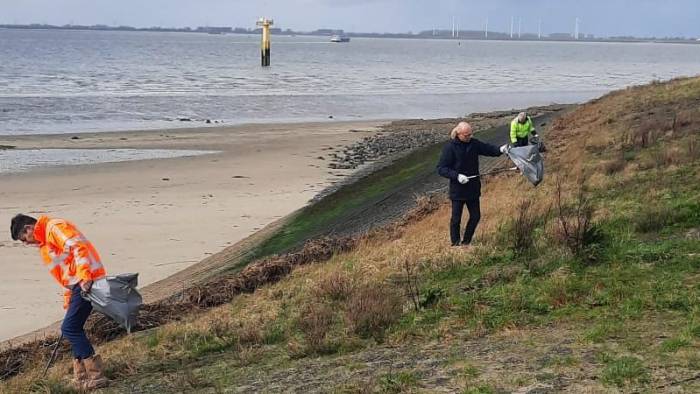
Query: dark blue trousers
(474, 216)
(72, 327)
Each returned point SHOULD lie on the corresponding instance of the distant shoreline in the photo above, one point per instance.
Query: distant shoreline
(470, 35)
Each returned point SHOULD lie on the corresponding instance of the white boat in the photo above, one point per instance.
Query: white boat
(340, 38)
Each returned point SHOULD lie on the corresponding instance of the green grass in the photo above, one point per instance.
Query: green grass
(624, 370)
(674, 344)
(640, 270)
(603, 330)
(316, 217)
(481, 389)
(646, 272)
(645, 269)
(398, 382)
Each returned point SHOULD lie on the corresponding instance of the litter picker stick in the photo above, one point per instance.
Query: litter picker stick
(53, 354)
(494, 172)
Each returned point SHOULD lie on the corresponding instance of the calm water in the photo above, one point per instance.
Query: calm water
(13, 161)
(62, 81)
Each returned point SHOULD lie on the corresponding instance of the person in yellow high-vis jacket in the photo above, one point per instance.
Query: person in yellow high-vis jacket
(520, 129)
(75, 264)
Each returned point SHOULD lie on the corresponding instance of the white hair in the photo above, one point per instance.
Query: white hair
(460, 125)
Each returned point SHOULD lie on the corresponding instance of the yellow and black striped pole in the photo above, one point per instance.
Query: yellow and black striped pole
(265, 44)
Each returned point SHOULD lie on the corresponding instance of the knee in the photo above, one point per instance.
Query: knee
(68, 329)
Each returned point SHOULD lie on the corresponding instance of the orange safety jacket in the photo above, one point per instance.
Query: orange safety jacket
(68, 255)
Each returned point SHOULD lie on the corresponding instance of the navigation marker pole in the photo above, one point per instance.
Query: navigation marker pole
(265, 44)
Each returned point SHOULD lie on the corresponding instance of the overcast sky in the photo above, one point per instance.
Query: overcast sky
(600, 17)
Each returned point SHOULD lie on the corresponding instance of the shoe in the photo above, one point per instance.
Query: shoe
(79, 374)
(95, 375)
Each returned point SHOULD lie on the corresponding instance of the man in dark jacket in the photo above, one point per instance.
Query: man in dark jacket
(460, 161)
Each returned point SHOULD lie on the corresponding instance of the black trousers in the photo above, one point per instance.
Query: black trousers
(474, 216)
(521, 141)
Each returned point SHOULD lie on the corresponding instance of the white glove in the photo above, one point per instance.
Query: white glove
(462, 179)
(504, 148)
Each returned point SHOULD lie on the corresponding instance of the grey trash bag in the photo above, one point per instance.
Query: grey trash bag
(117, 298)
(529, 162)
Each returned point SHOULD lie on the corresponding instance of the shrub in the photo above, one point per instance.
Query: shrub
(652, 217)
(431, 295)
(371, 309)
(410, 282)
(523, 228)
(647, 133)
(684, 119)
(576, 229)
(615, 165)
(664, 157)
(335, 286)
(315, 322)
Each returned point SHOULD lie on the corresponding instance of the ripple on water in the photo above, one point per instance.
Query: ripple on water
(13, 161)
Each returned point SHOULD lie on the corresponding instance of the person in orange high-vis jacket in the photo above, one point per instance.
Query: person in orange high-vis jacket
(75, 264)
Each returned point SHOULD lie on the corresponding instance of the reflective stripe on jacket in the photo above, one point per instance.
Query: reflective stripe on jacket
(67, 254)
(520, 130)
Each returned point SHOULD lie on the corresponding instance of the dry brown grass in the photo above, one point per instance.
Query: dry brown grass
(523, 227)
(372, 308)
(693, 149)
(357, 275)
(614, 166)
(315, 322)
(336, 285)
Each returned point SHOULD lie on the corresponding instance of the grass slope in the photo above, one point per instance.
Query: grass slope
(588, 283)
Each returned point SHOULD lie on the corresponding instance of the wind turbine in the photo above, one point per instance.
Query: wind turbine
(512, 22)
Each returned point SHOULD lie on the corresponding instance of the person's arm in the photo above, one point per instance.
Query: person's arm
(75, 246)
(52, 262)
(488, 149)
(446, 163)
(532, 128)
(513, 136)
(81, 258)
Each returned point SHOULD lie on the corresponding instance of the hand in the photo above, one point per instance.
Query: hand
(86, 285)
(534, 134)
(504, 148)
(462, 179)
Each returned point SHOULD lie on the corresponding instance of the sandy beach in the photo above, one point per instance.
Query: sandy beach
(157, 217)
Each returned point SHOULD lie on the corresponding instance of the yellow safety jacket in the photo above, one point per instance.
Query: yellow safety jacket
(520, 130)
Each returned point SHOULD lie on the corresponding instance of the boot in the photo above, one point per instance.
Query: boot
(79, 373)
(95, 375)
